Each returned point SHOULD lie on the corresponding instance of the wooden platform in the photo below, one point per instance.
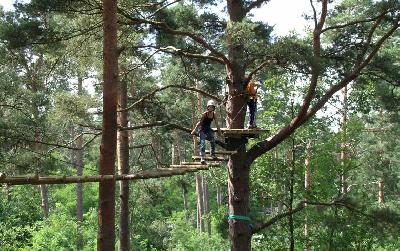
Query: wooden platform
(241, 133)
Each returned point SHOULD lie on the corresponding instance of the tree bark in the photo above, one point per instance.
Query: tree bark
(123, 167)
(381, 186)
(44, 195)
(343, 151)
(291, 163)
(206, 204)
(185, 197)
(238, 169)
(106, 232)
(220, 195)
(307, 187)
(200, 205)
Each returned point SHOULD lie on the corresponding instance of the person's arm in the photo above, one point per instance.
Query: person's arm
(197, 125)
(217, 125)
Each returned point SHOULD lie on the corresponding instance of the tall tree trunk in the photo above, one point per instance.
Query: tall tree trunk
(123, 167)
(185, 197)
(291, 163)
(343, 151)
(78, 160)
(238, 180)
(44, 191)
(220, 195)
(200, 205)
(199, 178)
(307, 187)
(44, 194)
(381, 186)
(106, 232)
(206, 204)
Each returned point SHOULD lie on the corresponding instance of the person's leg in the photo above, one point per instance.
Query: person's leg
(252, 106)
(212, 143)
(202, 145)
(254, 113)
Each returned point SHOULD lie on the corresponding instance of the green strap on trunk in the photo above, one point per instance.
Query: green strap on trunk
(239, 217)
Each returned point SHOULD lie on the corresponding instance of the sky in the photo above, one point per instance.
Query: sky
(275, 12)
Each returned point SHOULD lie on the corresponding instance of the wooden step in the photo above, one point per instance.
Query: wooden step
(188, 166)
(209, 163)
(240, 133)
(209, 158)
(222, 152)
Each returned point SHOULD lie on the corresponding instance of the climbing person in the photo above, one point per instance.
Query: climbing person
(205, 131)
(251, 91)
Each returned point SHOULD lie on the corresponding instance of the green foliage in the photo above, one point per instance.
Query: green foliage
(60, 231)
(185, 237)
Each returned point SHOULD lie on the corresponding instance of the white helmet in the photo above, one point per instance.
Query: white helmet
(210, 103)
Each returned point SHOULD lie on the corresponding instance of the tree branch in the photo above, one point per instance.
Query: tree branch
(168, 29)
(300, 206)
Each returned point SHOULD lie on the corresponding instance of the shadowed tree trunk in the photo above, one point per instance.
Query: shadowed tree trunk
(123, 167)
(106, 232)
(79, 171)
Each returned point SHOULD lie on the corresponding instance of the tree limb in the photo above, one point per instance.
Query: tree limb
(168, 29)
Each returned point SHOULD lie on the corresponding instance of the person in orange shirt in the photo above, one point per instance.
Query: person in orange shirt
(251, 90)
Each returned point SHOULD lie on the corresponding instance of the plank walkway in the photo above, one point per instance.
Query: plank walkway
(147, 174)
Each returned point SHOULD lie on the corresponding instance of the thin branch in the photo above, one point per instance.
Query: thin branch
(156, 124)
(255, 4)
(341, 26)
(151, 94)
(272, 221)
(300, 206)
(177, 51)
(258, 68)
(314, 13)
(161, 8)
